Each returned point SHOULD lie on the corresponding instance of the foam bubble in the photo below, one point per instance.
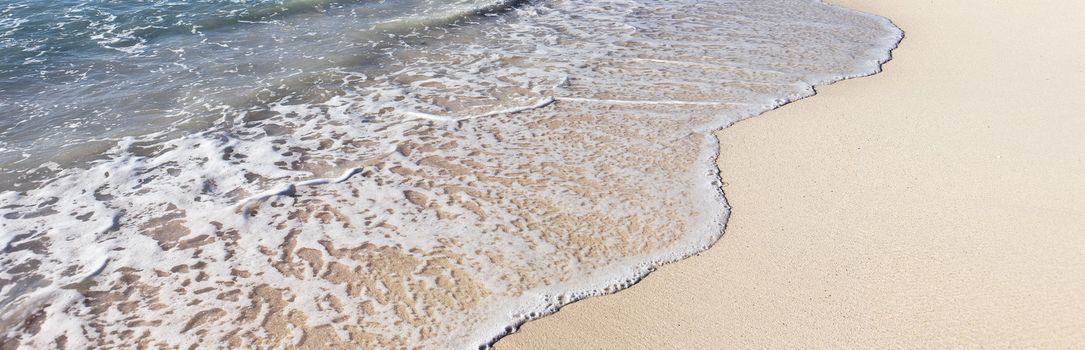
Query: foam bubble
(485, 176)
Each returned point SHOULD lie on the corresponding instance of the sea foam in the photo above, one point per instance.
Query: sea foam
(488, 171)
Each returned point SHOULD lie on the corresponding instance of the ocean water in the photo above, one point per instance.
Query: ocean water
(376, 174)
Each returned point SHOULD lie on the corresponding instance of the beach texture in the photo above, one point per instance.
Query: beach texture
(937, 204)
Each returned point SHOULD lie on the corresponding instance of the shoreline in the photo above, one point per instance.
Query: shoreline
(455, 226)
(903, 209)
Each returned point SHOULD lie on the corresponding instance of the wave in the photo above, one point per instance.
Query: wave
(422, 14)
(471, 178)
(182, 74)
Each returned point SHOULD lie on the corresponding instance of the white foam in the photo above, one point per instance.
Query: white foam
(483, 179)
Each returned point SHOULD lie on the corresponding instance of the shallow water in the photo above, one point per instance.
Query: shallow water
(417, 173)
(84, 74)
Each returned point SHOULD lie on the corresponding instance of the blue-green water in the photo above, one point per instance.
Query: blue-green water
(75, 76)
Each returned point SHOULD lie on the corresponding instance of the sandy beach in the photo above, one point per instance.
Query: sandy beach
(431, 174)
(937, 204)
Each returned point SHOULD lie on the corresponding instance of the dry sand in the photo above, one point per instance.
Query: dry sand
(938, 204)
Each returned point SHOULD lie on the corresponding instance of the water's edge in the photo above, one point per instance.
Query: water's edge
(444, 200)
(640, 273)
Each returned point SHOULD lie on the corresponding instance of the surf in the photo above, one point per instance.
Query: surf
(456, 180)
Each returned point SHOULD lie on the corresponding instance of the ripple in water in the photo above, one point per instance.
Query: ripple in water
(479, 172)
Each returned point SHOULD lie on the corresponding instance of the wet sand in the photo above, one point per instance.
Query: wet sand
(940, 203)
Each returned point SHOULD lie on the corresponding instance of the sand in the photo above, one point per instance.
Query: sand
(938, 204)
